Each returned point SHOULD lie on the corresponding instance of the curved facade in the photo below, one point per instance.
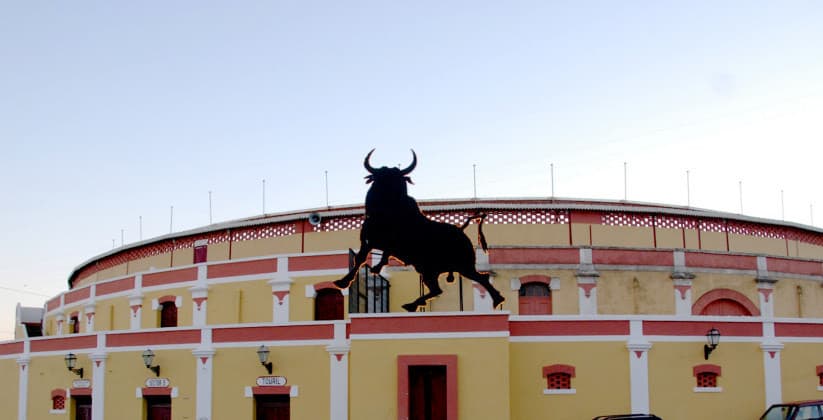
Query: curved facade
(607, 309)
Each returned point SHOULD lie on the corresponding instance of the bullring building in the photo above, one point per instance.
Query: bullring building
(611, 307)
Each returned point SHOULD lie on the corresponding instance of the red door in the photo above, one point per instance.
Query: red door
(535, 299)
(82, 408)
(272, 407)
(168, 315)
(427, 393)
(328, 305)
(158, 408)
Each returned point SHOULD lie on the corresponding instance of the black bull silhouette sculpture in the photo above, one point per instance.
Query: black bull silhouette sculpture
(395, 225)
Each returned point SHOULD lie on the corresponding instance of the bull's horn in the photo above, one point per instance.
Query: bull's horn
(411, 167)
(366, 162)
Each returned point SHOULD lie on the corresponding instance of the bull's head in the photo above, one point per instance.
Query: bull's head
(385, 173)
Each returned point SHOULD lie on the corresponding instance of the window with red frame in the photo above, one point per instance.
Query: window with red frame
(819, 371)
(558, 377)
(706, 375)
(58, 400)
(168, 315)
(328, 305)
(74, 324)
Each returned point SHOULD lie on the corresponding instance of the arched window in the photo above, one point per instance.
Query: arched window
(706, 377)
(535, 298)
(74, 323)
(168, 315)
(558, 379)
(724, 302)
(328, 304)
(58, 401)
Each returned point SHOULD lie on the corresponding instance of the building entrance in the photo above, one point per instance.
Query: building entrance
(272, 407)
(158, 408)
(427, 393)
(82, 408)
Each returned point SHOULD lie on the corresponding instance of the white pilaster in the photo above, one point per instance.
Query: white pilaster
(765, 287)
(682, 294)
(88, 312)
(98, 377)
(339, 373)
(60, 319)
(638, 367)
(280, 299)
(205, 378)
(771, 364)
(482, 300)
(136, 311)
(199, 297)
(23, 384)
(587, 283)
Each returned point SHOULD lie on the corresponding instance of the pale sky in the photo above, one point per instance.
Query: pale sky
(112, 111)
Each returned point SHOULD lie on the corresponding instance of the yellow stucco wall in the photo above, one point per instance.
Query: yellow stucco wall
(757, 245)
(331, 241)
(622, 236)
(798, 298)
(374, 397)
(524, 235)
(145, 264)
(181, 257)
(670, 238)
(601, 380)
(247, 301)
(564, 300)
(177, 365)
(712, 241)
(672, 382)
(9, 396)
(266, 246)
(626, 292)
(307, 367)
(798, 371)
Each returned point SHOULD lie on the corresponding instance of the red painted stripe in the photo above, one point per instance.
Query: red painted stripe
(700, 328)
(429, 324)
(53, 304)
(534, 256)
(242, 268)
(704, 260)
(271, 390)
(11, 348)
(632, 257)
(77, 295)
(153, 392)
(553, 328)
(78, 392)
(785, 265)
(318, 262)
(110, 287)
(590, 217)
(272, 333)
(798, 330)
(64, 343)
(167, 277)
(153, 338)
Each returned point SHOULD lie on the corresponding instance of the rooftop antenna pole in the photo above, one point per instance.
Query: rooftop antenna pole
(326, 177)
(625, 182)
(264, 196)
(740, 187)
(474, 179)
(141, 227)
(551, 166)
(688, 190)
(210, 207)
(782, 207)
(171, 219)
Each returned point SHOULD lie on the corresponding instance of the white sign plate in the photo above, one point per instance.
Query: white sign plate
(81, 383)
(271, 380)
(157, 383)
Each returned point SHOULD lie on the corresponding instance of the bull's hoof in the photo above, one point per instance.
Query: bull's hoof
(497, 301)
(410, 307)
(450, 278)
(342, 284)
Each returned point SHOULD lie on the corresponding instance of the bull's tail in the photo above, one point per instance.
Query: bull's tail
(481, 238)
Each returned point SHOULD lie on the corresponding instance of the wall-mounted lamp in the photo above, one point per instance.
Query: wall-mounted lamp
(712, 340)
(263, 355)
(71, 362)
(148, 358)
